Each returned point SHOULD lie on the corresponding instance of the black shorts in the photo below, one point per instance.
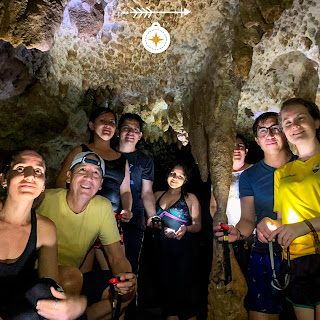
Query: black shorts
(304, 286)
(94, 283)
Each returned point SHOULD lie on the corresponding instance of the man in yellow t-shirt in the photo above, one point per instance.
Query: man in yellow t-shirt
(80, 217)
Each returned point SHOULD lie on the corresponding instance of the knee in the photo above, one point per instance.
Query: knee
(71, 279)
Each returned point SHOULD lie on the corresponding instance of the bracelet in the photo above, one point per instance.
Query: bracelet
(315, 235)
(241, 236)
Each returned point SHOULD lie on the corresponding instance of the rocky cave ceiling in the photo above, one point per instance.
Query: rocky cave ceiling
(228, 61)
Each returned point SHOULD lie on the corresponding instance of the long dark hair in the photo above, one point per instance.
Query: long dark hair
(95, 114)
(312, 108)
(187, 174)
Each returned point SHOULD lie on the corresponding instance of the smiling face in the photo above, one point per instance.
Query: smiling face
(104, 125)
(26, 176)
(85, 179)
(176, 178)
(274, 141)
(298, 125)
(130, 132)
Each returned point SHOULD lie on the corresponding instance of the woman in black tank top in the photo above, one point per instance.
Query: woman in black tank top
(181, 217)
(25, 237)
(116, 184)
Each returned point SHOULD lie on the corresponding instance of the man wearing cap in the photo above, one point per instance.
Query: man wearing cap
(80, 217)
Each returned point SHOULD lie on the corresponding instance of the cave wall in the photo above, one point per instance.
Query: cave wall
(84, 53)
(285, 64)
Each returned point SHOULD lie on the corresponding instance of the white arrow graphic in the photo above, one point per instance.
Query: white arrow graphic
(148, 12)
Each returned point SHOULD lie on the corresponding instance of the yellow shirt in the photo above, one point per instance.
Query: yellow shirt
(77, 232)
(297, 196)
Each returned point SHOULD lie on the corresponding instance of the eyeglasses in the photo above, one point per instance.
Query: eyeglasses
(263, 131)
(174, 175)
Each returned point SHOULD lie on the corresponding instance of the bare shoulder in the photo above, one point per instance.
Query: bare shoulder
(192, 197)
(75, 151)
(158, 194)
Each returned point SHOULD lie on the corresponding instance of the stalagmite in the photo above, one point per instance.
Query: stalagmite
(212, 134)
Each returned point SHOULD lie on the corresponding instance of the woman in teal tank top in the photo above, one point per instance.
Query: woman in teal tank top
(181, 217)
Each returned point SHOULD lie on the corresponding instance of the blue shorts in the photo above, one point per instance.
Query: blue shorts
(261, 295)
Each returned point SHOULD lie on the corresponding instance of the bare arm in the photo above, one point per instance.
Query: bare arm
(149, 221)
(289, 232)
(68, 307)
(147, 198)
(48, 252)
(62, 177)
(247, 222)
(316, 223)
(126, 196)
(121, 267)
(213, 205)
(117, 259)
(195, 212)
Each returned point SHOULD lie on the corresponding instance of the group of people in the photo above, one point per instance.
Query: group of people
(280, 197)
(89, 230)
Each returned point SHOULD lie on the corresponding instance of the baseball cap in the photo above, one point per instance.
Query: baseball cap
(82, 157)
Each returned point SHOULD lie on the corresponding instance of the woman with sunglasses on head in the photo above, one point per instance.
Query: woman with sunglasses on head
(297, 201)
(116, 182)
(25, 237)
(181, 216)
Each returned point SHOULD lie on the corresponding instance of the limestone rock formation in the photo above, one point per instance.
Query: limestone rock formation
(31, 22)
(281, 61)
(19, 68)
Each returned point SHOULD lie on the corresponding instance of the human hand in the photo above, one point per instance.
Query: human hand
(156, 224)
(128, 285)
(126, 215)
(181, 231)
(169, 233)
(288, 232)
(265, 228)
(233, 232)
(66, 308)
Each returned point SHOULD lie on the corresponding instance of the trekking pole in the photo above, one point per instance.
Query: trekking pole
(116, 307)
